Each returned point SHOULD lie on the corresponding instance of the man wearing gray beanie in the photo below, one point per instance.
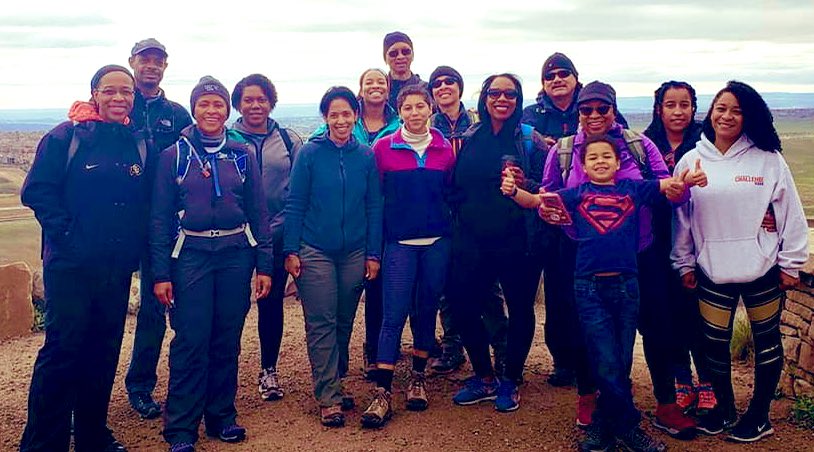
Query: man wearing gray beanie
(398, 54)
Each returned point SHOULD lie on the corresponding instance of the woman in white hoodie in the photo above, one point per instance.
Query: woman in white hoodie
(722, 251)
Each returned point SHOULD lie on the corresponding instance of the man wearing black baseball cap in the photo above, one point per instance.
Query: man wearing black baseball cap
(160, 122)
(398, 54)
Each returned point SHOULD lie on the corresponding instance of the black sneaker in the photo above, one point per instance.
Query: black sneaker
(230, 434)
(637, 440)
(144, 405)
(749, 429)
(182, 447)
(114, 446)
(717, 420)
(597, 439)
(449, 361)
(562, 377)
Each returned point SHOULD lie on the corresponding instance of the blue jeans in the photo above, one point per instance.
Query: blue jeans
(608, 310)
(406, 267)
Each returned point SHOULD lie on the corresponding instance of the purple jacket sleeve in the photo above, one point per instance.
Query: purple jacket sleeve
(256, 211)
(655, 159)
(552, 174)
(163, 220)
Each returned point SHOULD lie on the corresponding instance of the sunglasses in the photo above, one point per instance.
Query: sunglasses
(587, 111)
(562, 73)
(510, 94)
(405, 52)
(449, 81)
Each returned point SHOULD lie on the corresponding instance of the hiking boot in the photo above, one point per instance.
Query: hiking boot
(379, 411)
(182, 447)
(417, 393)
(144, 405)
(508, 396)
(685, 396)
(562, 377)
(637, 440)
(586, 405)
(476, 390)
(706, 399)
(717, 420)
(231, 433)
(597, 439)
(449, 361)
(268, 385)
(750, 428)
(670, 418)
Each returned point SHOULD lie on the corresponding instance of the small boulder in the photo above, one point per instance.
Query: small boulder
(16, 308)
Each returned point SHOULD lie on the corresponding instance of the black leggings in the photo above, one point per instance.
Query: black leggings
(763, 300)
(473, 272)
(270, 318)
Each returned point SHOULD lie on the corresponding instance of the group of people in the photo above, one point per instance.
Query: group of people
(408, 199)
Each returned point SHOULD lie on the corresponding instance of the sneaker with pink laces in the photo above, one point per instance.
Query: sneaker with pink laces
(706, 398)
(685, 396)
(586, 404)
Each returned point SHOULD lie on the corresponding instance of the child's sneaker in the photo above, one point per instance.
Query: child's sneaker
(685, 396)
(268, 385)
(597, 439)
(476, 390)
(672, 420)
(750, 428)
(379, 411)
(586, 404)
(417, 392)
(638, 440)
(717, 420)
(508, 396)
(706, 399)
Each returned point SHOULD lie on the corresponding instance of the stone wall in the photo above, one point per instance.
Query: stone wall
(797, 330)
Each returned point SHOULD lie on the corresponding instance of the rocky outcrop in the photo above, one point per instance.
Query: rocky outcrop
(797, 330)
(16, 309)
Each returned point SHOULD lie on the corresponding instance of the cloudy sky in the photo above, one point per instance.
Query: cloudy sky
(49, 49)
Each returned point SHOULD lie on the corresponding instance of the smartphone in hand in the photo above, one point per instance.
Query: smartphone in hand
(560, 216)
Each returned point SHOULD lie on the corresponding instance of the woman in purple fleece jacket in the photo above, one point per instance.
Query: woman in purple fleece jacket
(597, 112)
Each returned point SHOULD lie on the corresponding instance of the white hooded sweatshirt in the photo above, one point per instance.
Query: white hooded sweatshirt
(719, 229)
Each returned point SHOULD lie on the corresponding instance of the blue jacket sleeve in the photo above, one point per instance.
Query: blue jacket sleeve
(43, 186)
(297, 203)
(258, 216)
(163, 211)
(374, 206)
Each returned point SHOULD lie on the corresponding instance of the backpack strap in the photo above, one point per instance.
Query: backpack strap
(527, 132)
(183, 158)
(565, 155)
(72, 148)
(636, 148)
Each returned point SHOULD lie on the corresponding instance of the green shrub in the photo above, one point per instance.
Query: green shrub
(39, 316)
(802, 412)
(741, 346)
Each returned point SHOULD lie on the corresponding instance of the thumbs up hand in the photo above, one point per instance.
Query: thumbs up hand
(508, 185)
(697, 176)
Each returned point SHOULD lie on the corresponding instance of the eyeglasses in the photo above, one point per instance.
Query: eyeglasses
(395, 52)
(449, 81)
(587, 111)
(562, 73)
(510, 94)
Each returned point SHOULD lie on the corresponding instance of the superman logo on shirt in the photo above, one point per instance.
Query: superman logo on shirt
(606, 212)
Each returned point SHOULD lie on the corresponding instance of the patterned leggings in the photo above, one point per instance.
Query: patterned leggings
(763, 300)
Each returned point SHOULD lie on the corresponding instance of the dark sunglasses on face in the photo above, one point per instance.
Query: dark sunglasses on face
(449, 81)
(587, 111)
(510, 94)
(395, 52)
(562, 73)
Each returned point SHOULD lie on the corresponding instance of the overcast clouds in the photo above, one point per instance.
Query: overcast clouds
(49, 49)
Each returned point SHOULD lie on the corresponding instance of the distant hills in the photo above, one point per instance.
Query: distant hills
(301, 114)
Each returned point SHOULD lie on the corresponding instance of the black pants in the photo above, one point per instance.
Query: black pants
(764, 303)
(473, 272)
(211, 302)
(561, 328)
(270, 316)
(85, 313)
(151, 324)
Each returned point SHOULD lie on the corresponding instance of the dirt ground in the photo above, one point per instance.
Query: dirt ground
(545, 420)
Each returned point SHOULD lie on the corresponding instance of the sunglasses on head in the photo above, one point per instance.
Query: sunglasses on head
(395, 52)
(587, 111)
(510, 94)
(562, 73)
(449, 81)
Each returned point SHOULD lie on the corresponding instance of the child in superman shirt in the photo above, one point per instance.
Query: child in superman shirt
(602, 216)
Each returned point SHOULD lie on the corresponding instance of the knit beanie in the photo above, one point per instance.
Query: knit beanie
(449, 72)
(394, 37)
(104, 70)
(209, 85)
(559, 61)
